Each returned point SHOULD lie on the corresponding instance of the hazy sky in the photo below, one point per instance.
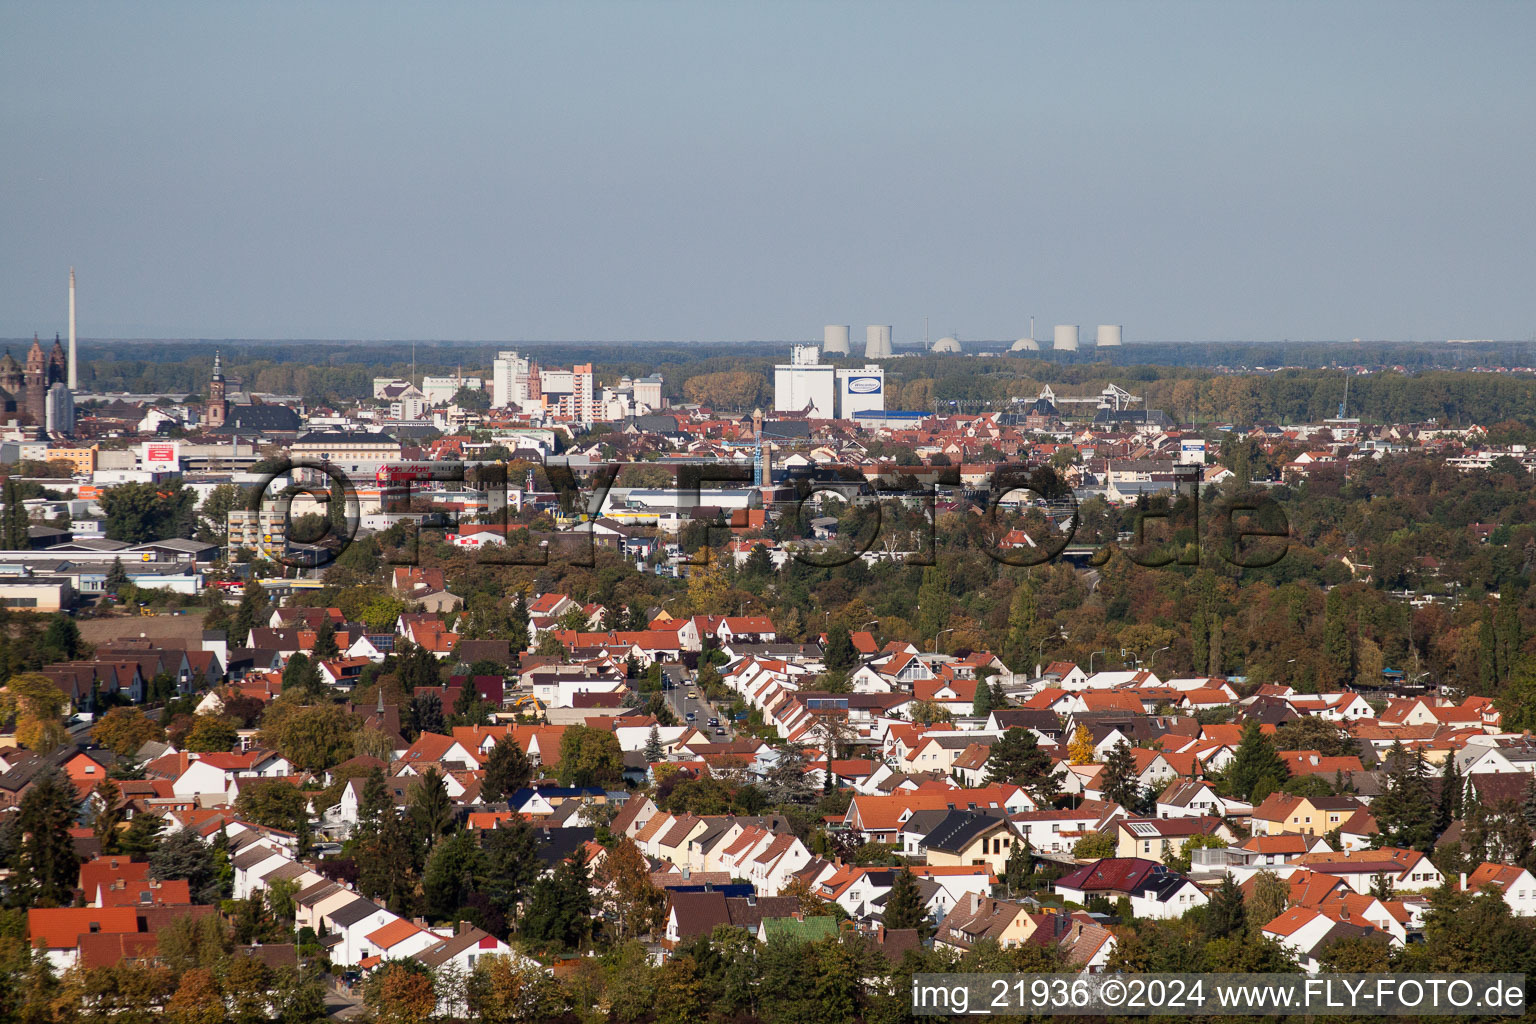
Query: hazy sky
(721, 171)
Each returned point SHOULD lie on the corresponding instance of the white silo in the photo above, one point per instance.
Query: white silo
(1066, 338)
(834, 339)
(877, 341)
(1109, 336)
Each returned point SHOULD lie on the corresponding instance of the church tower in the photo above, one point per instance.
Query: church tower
(217, 407)
(58, 363)
(36, 383)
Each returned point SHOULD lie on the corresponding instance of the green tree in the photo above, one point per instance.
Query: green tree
(183, 854)
(140, 512)
(517, 623)
(215, 509)
(904, 906)
(590, 757)
(109, 815)
(654, 751)
(839, 655)
(276, 803)
(1270, 896)
(1225, 914)
(1018, 867)
(13, 519)
(1016, 758)
(210, 734)
(507, 770)
(117, 579)
(1023, 627)
(1255, 767)
(313, 737)
(511, 864)
(1448, 809)
(44, 861)
(451, 875)
(1338, 651)
(934, 602)
(61, 640)
(325, 640)
(1405, 811)
(430, 808)
(302, 676)
(387, 862)
(1118, 781)
(560, 912)
(425, 714)
(143, 834)
(252, 612)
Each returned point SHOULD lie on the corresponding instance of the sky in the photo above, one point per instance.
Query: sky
(752, 171)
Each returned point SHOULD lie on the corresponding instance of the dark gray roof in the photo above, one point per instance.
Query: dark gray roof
(262, 417)
(353, 912)
(345, 437)
(959, 828)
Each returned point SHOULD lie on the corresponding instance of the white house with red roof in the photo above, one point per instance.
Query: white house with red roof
(1332, 707)
(1515, 884)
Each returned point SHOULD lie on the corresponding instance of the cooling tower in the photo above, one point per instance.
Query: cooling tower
(834, 340)
(1109, 336)
(1066, 338)
(877, 341)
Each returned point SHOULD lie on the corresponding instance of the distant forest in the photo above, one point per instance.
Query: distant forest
(1195, 383)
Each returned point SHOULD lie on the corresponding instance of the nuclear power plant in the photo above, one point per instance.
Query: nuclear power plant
(1109, 336)
(834, 340)
(877, 341)
(1065, 338)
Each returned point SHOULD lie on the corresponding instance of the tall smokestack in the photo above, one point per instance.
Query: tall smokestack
(74, 376)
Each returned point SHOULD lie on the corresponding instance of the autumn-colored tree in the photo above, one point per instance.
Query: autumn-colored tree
(405, 995)
(1081, 748)
(730, 389)
(210, 734)
(810, 902)
(38, 707)
(630, 897)
(504, 990)
(708, 586)
(124, 730)
(197, 1000)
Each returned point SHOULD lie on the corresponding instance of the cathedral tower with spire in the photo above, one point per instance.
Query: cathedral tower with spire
(216, 409)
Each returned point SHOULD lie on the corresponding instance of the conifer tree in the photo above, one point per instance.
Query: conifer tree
(45, 862)
(1119, 784)
(507, 770)
(1449, 807)
(904, 906)
(1255, 767)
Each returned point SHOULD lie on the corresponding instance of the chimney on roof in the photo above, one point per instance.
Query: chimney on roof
(975, 903)
(1463, 881)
